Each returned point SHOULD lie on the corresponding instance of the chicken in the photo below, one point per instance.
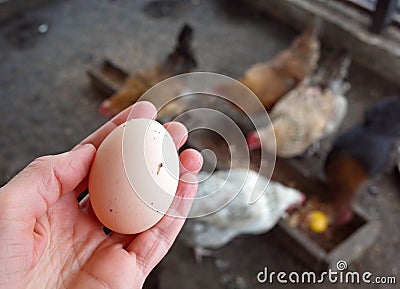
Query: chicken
(181, 60)
(270, 81)
(362, 152)
(223, 210)
(308, 113)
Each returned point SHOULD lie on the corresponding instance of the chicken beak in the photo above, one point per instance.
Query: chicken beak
(298, 204)
(253, 141)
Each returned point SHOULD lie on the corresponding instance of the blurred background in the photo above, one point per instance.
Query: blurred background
(53, 81)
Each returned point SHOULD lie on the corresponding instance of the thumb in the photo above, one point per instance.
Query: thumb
(44, 181)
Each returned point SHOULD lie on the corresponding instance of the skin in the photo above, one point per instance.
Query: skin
(49, 240)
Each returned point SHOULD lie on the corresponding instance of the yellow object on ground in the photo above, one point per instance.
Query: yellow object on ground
(318, 221)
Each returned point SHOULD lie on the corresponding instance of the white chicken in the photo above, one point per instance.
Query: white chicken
(235, 217)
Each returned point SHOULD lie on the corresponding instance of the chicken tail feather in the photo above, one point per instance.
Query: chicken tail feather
(333, 72)
(315, 28)
(182, 59)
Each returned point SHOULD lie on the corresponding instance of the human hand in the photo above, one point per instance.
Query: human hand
(49, 240)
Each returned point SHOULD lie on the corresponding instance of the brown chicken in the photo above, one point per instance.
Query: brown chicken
(362, 152)
(271, 80)
(181, 60)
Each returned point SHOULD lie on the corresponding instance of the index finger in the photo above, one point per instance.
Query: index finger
(142, 109)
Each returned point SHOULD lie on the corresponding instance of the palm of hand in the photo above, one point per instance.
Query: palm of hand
(52, 241)
(79, 249)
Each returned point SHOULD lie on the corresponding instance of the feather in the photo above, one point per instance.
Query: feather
(233, 215)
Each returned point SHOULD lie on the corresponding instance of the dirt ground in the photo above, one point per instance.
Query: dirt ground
(47, 106)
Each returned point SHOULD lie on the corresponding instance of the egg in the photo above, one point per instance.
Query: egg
(134, 176)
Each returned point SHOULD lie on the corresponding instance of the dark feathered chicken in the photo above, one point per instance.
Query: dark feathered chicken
(362, 152)
(181, 60)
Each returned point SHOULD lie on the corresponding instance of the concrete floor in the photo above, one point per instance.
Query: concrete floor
(47, 106)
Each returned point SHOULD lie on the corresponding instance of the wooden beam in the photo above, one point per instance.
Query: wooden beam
(383, 15)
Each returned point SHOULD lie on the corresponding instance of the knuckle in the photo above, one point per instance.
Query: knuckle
(40, 163)
(42, 169)
(163, 236)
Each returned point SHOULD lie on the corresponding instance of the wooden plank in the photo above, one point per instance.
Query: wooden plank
(357, 243)
(383, 15)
